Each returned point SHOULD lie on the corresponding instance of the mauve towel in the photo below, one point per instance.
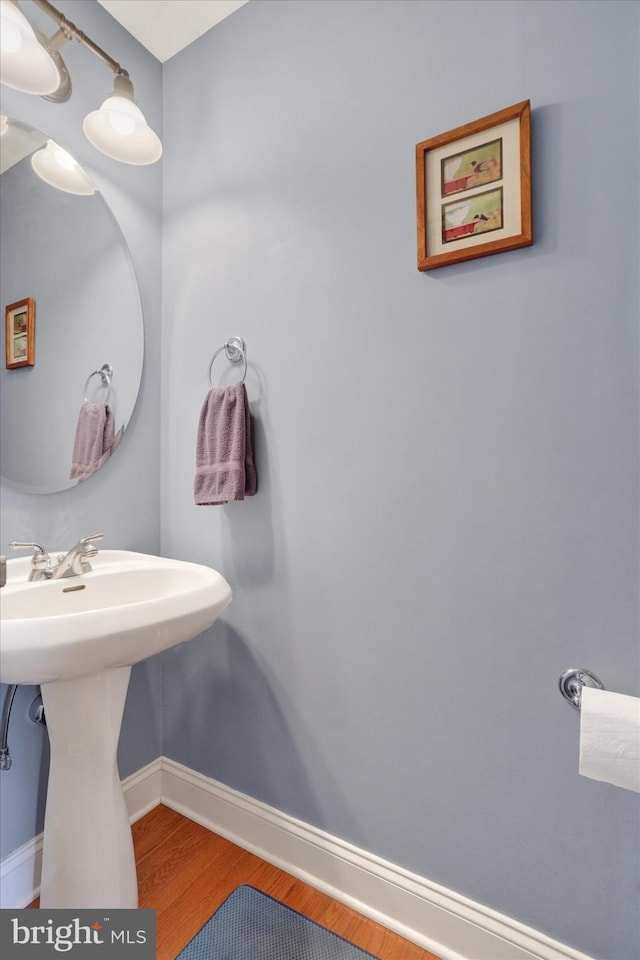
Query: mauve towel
(94, 441)
(225, 469)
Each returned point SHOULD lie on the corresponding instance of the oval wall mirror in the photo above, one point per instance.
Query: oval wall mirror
(64, 262)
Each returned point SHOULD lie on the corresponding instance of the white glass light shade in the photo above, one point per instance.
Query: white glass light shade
(58, 168)
(24, 63)
(119, 130)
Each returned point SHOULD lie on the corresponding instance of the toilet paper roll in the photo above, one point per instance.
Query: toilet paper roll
(610, 738)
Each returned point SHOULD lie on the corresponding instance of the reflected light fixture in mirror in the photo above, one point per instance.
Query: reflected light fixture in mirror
(59, 169)
(33, 64)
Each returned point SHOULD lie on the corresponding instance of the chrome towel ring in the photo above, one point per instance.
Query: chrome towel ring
(235, 351)
(105, 373)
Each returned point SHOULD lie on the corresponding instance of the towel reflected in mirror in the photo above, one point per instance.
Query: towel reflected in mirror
(95, 440)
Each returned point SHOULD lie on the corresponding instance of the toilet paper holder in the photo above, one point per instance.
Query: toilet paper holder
(573, 680)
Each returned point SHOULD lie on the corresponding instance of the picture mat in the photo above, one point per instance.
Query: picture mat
(510, 133)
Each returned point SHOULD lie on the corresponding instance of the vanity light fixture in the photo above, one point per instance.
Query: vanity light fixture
(25, 60)
(32, 64)
(119, 129)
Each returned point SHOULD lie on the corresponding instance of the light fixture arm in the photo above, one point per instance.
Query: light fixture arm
(71, 32)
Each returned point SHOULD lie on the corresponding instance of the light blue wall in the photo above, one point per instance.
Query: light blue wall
(122, 500)
(448, 462)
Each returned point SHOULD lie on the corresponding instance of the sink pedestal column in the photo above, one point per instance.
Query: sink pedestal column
(88, 858)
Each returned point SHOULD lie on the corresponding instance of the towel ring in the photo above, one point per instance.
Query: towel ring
(105, 373)
(235, 351)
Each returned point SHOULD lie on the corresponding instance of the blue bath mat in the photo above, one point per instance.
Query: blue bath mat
(250, 925)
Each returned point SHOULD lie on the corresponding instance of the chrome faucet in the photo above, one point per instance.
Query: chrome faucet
(71, 564)
(76, 561)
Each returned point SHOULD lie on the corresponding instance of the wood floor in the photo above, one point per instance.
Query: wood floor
(185, 872)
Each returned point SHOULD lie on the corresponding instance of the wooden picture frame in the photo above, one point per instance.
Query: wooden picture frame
(20, 333)
(473, 189)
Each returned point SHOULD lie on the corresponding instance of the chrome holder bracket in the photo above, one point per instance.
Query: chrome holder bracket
(573, 680)
(235, 349)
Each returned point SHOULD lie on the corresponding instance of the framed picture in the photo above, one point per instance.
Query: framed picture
(20, 343)
(473, 189)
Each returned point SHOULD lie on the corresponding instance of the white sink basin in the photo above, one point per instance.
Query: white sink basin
(130, 606)
(78, 637)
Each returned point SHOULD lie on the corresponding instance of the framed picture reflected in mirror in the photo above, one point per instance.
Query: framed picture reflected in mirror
(20, 333)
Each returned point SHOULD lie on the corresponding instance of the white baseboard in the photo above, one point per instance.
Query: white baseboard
(440, 920)
(20, 875)
(143, 789)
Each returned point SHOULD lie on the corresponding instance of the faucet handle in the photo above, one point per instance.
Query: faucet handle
(38, 551)
(89, 549)
(92, 538)
(40, 561)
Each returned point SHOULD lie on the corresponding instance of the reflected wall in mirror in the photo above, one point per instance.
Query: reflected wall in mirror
(66, 251)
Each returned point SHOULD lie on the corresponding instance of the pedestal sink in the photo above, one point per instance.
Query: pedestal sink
(78, 638)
